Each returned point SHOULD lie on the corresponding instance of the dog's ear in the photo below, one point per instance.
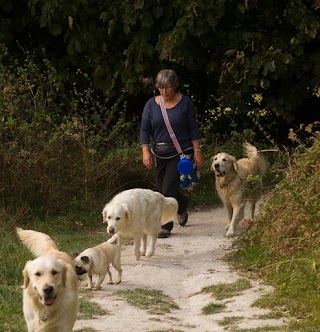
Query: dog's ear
(64, 274)
(85, 259)
(212, 165)
(104, 215)
(234, 164)
(127, 215)
(25, 274)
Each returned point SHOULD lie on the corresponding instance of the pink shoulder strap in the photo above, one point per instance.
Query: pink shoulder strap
(168, 125)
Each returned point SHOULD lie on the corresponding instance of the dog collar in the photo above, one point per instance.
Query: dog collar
(42, 319)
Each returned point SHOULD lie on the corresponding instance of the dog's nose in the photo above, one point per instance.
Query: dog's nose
(111, 230)
(48, 290)
(216, 166)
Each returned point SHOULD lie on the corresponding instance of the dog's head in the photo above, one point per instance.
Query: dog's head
(83, 264)
(115, 215)
(223, 164)
(46, 277)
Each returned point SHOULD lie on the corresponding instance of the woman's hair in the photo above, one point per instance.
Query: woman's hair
(167, 75)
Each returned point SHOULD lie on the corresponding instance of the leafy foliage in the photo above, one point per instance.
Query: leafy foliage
(226, 52)
(51, 134)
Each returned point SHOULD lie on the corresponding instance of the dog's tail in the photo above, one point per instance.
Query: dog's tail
(252, 153)
(38, 243)
(169, 210)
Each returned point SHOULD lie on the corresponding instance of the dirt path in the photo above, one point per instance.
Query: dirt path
(183, 264)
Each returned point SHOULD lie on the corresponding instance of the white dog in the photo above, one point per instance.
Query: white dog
(50, 295)
(231, 184)
(97, 260)
(138, 213)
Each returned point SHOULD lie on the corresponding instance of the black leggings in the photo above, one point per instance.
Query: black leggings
(168, 181)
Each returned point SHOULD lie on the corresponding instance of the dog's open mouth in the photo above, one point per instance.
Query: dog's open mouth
(47, 300)
(218, 173)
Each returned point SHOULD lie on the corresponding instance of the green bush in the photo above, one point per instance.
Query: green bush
(61, 147)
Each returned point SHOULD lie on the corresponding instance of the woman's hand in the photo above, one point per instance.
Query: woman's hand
(198, 158)
(147, 157)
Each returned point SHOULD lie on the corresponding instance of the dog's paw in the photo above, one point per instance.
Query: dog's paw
(150, 253)
(230, 233)
(137, 254)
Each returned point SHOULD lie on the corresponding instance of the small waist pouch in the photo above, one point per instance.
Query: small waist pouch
(164, 149)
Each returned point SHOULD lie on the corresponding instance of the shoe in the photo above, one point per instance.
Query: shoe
(183, 218)
(165, 230)
(168, 226)
(164, 233)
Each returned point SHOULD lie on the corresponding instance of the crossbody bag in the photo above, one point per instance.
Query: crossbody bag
(185, 165)
(189, 174)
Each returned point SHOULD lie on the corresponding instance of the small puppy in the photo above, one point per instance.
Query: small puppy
(231, 183)
(139, 213)
(97, 260)
(50, 285)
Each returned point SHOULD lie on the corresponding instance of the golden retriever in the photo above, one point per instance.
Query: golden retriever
(97, 260)
(50, 285)
(232, 185)
(138, 213)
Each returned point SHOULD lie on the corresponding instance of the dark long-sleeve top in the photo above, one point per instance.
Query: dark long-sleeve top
(182, 118)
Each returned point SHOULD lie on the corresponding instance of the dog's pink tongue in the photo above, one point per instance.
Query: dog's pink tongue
(48, 300)
(217, 173)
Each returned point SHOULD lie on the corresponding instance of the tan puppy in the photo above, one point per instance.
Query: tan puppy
(50, 295)
(97, 260)
(138, 213)
(231, 185)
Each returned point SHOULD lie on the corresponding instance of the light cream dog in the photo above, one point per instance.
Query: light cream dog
(97, 260)
(138, 213)
(50, 294)
(232, 185)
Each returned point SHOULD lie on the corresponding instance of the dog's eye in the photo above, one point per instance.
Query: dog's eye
(54, 272)
(224, 159)
(38, 274)
(118, 218)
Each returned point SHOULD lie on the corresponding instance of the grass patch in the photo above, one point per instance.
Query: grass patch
(266, 328)
(154, 301)
(11, 315)
(270, 301)
(90, 310)
(228, 321)
(223, 291)
(274, 314)
(213, 308)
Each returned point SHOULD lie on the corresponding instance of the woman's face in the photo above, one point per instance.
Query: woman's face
(167, 92)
